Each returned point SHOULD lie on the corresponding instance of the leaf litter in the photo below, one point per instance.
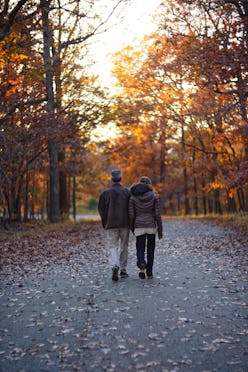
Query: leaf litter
(59, 305)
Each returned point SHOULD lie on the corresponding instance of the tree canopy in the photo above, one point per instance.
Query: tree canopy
(179, 107)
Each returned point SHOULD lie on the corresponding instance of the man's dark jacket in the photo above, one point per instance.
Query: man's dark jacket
(113, 207)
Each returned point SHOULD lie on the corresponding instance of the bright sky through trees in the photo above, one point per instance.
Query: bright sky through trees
(137, 21)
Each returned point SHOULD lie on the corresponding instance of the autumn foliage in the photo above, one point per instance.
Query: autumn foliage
(49, 105)
(179, 107)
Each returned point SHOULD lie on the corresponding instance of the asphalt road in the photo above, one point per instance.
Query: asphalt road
(191, 317)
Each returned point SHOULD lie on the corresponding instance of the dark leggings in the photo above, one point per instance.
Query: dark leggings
(141, 247)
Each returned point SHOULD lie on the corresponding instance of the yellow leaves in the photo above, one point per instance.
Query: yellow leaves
(215, 185)
(11, 58)
(138, 132)
(18, 57)
(12, 54)
(3, 55)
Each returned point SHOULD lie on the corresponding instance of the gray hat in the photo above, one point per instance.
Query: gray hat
(116, 175)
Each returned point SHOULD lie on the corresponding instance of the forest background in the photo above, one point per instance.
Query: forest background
(178, 107)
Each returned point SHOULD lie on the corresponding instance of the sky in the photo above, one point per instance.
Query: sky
(137, 21)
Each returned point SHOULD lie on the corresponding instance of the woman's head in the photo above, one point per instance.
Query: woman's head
(145, 179)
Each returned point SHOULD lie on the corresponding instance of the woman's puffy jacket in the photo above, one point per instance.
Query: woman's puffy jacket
(144, 208)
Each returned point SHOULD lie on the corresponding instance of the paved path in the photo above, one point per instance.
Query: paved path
(191, 317)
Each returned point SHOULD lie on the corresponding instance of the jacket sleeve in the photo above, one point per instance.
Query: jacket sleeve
(131, 213)
(158, 218)
(102, 209)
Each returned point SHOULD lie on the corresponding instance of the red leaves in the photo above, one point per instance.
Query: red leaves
(239, 177)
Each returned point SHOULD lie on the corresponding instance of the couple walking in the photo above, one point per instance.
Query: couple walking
(137, 209)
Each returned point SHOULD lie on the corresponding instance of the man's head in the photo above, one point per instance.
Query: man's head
(116, 175)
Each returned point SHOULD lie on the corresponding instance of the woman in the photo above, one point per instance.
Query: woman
(145, 220)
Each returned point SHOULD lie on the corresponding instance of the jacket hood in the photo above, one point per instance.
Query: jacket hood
(140, 189)
(143, 192)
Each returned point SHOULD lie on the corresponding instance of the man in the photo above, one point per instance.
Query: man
(113, 209)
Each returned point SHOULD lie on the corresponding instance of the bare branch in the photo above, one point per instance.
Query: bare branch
(6, 28)
(5, 8)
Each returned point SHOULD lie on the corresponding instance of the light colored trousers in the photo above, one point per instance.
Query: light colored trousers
(117, 245)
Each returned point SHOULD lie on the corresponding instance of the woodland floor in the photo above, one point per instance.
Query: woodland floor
(60, 310)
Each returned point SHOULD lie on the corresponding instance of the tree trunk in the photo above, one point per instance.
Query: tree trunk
(216, 200)
(16, 191)
(63, 191)
(54, 183)
(178, 194)
(210, 204)
(25, 218)
(217, 203)
(242, 93)
(4, 203)
(243, 110)
(195, 187)
(47, 198)
(185, 176)
(171, 204)
(162, 168)
(186, 191)
(74, 198)
(52, 147)
(69, 192)
(231, 204)
(195, 197)
(241, 199)
(63, 195)
(204, 203)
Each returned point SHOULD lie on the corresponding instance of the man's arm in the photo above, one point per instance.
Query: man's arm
(158, 218)
(102, 209)
(131, 213)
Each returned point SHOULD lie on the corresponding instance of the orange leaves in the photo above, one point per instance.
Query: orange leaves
(178, 99)
(11, 54)
(215, 185)
(11, 58)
